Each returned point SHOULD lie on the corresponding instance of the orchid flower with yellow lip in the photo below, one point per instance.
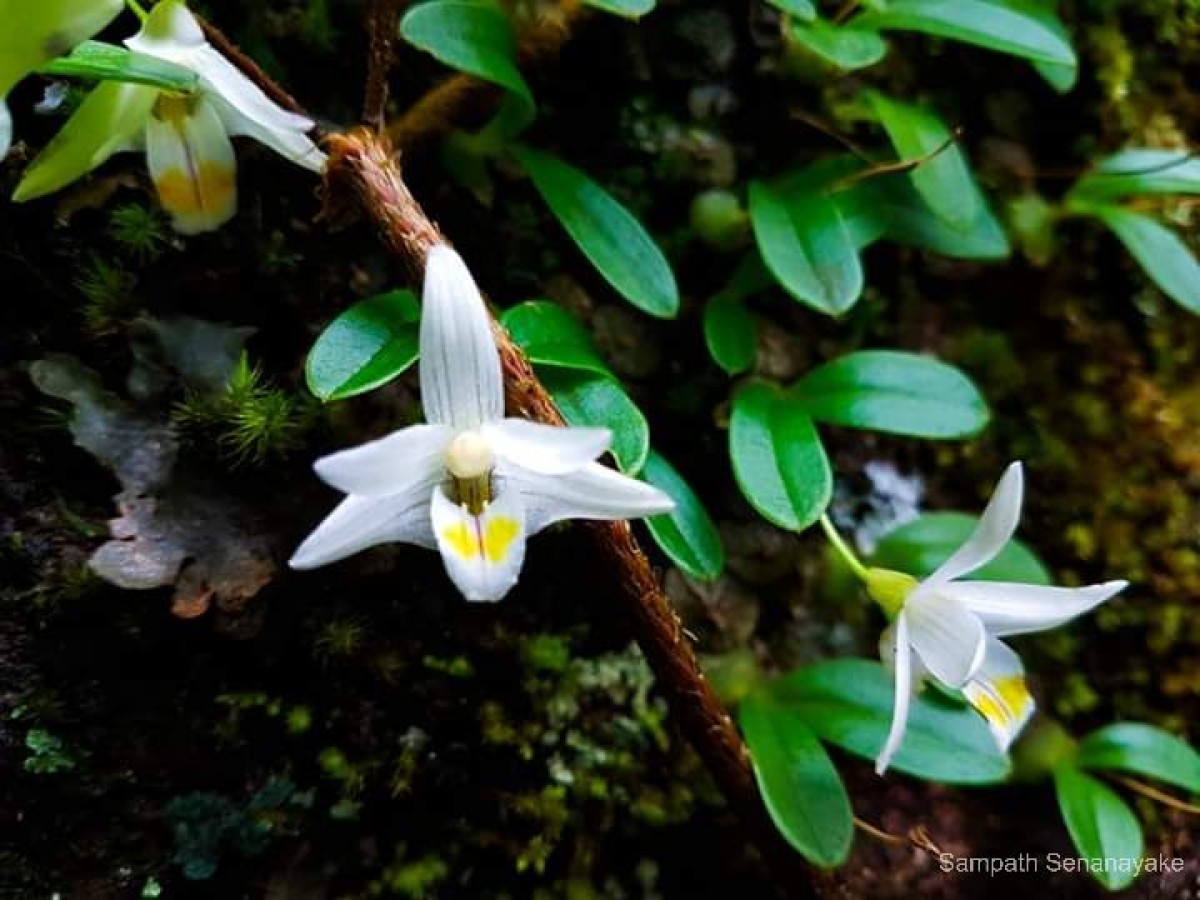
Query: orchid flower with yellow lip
(186, 137)
(469, 482)
(949, 629)
(33, 32)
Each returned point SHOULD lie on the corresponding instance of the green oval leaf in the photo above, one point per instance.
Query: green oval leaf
(607, 233)
(943, 179)
(730, 333)
(778, 459)
(801, 9)
(848, 702)
(105, 62)
(473, 36)
(1002, 26)
(687, 535)
(551, 336)
(801, 788)
(1144, 750)
(806, 245)
(1164, 256)
(845, 46)
(631, 9)
(1141, 171)
(366, 346)
(886, 390)
(587, 399)
(920, 546)
(1102, 826)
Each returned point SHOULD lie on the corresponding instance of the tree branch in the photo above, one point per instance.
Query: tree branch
(383, 18)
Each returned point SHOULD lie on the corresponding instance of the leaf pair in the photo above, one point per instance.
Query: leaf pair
(848, 703)
(778, 458)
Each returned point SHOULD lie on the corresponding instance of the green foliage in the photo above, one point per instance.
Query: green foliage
(104, 62)
(920, 546)
(1139, 171)
(250, 422)
(1006, 26)
(473, 36)
(1142, 750)
(1102, 826)
(589, 400)
(688, 534)
(140, 230)
(806, 245)
(845, 46)
(777, 456)
(205, 826)
(801, 9)
(800, 786)
(943, 178)
(551, 336)
(900, 393)
(848, 702)
(48, 755)
(365, 347)
(110, 301)
(630, 8)
(730, 330)
(607, 233)
(1161, 253)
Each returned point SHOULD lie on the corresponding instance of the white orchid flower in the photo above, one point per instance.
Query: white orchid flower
(186, 137)
(33, 32)
(949, 629)
(469, 483)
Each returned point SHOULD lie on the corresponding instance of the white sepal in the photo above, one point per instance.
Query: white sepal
(593, 492)
(995, 529)
(949, 638)
(389, 465)
(547, 449)
(483, 554)
(901, 659)
(6, 129)
(361, 522)
(1008, 608)
(461, 383)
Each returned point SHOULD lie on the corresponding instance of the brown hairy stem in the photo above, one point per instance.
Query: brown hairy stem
(363, 176)
(383, 20)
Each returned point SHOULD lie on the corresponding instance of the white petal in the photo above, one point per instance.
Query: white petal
(999, 694)
(1008, 608)
(6, 129)
(361, 522)
(901, 656)
(548, 449)
(461, 383)
(291, 142)
(389, 465)
(483, 554)
(948, 637)
(593, 492)
(995, 529)
(191, 161)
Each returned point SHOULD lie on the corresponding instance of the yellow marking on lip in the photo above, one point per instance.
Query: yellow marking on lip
(1001, 701)
(498, 536)
(210, 191)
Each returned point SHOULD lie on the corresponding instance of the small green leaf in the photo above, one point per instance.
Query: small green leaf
(778, 459)
(730, 332)
(848, 702)
(589, 400)
(801, 9)
(845, 46)
(607, 233)
(1143, 750)
(807, 246)
(891, 207)
(473, 36)
(1161, 253)
(366, 346)
(886, 390)
(1102, 826)
(1006, 27)
(1141, 171)
(631, 9)
(687, 535)
(551, 336)
(920, 546)
(800, 786)
(105, 62)
(1060, 76)
(943, 178)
